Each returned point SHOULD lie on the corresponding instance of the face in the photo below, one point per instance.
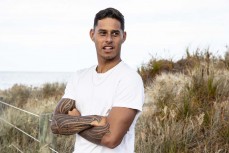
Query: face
(108, 38)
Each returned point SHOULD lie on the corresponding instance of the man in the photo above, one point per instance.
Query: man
(102, 103)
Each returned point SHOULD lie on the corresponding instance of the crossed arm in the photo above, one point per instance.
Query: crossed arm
(107, 131)
(67, 124)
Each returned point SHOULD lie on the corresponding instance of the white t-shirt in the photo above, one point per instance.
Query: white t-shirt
(96, 94)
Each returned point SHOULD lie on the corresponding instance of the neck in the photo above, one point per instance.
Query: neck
(106, 66)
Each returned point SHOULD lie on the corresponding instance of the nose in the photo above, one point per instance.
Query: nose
(109, 39)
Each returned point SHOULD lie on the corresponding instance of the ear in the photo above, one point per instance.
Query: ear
(92, 32)
(124, 37)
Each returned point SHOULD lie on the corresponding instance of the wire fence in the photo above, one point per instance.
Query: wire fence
(44, 137)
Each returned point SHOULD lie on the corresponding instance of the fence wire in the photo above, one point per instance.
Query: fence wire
(14, 126)
(19, 109)
(14, 146)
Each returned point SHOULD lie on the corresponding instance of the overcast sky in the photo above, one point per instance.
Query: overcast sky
(53, 35)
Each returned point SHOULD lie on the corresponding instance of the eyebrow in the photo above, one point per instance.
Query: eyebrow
(103, 30)
(118, 31)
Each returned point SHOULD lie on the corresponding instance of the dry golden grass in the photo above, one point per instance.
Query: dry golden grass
(37, 101)
(187, 111)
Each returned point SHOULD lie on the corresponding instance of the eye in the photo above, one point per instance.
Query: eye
(115, 34)
(102, 33)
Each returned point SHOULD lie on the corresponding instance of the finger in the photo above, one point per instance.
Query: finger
(74, 112)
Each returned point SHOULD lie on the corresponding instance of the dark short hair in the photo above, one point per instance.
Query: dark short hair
(110, 13)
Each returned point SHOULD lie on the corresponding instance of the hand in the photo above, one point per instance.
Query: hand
(102, 122)
(74, 112)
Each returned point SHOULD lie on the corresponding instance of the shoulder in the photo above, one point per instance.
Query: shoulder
(80, 73)
(130, 89)
(128, 74)
(73, 82)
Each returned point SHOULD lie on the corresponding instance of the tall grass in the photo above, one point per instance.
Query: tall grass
(36, 100)
(187, 111)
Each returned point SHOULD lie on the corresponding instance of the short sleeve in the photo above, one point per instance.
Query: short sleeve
(130, 92)
(71, 87)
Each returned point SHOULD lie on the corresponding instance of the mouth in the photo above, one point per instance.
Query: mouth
(108, 48)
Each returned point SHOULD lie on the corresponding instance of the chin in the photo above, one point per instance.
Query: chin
(109, 58)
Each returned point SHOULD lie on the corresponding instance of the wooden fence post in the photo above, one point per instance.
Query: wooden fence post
(45, 135)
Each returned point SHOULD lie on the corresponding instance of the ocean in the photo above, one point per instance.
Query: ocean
(34, 79)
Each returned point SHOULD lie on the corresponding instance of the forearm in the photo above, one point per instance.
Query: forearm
(95, 134)
(67, 125)
(67, 120)
(64, 105)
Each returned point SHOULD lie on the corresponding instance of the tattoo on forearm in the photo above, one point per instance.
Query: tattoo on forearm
(95, 134)
(65, 105)
(62, 123)
(67, 125)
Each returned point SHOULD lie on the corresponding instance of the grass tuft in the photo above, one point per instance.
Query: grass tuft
(186, 108)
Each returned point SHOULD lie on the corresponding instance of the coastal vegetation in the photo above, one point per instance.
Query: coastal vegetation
(186, 108)
(187, 105)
